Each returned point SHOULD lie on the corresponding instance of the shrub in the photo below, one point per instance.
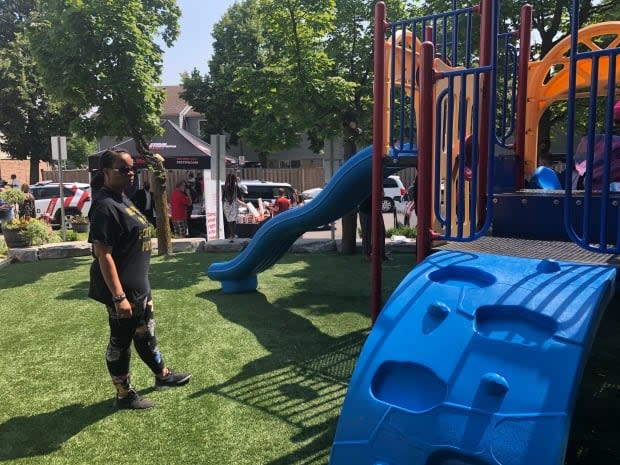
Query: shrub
(37, 232)
(72, 236)
(79, 219)
(31, 231)
(13, 196)
(406, 231)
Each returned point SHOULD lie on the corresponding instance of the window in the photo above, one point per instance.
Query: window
(388, 182)
(202, 127)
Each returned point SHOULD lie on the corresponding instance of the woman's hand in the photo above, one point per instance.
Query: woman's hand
(123, 309)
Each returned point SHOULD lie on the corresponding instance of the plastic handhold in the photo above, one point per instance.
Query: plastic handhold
(496, 384)
(548, 266)
(438, 310)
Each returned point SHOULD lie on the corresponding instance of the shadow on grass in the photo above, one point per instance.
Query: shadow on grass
(594, 427)
(22, 274)
(44, 433)
(302, 381)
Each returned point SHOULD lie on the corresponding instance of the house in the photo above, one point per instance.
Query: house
(180, 112)
(175, 109)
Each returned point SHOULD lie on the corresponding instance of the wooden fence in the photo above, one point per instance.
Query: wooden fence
(67, 176)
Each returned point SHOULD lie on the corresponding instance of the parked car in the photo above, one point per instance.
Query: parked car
(77, 200)
(267, 191)
(310, 194)
(393, 191)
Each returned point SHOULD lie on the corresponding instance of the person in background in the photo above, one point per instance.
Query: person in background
(26, 208)
(6, 210)
(600, 152)
(180, 200)
(281, 204)
(190, 185)
(144, 201)
(231, 199)
(15, 184)
(200, 189)
(296, 199)
(121, 245)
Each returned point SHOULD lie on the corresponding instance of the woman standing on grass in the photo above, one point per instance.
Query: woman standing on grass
(231, 198)
(121, 239)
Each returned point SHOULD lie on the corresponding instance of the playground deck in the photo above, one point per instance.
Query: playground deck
(556, 250)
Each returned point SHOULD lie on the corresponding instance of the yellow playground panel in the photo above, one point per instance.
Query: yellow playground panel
(447, 129)
(548, 79)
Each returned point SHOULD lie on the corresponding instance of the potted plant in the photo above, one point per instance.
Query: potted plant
(22, 232)
(80, 223)
(13, 197)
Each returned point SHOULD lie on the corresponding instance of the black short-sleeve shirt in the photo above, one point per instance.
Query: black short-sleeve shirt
(117, 222)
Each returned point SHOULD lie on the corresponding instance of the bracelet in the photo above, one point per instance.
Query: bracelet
(118, 298)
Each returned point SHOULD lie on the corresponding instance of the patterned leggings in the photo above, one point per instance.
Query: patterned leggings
(179, 228)
(141, 329)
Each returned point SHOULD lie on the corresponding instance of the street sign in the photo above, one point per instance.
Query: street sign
(59, 148)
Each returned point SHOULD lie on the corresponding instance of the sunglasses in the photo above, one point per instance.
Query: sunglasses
(125, 170)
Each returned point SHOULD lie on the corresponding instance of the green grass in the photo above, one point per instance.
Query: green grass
(270, 368)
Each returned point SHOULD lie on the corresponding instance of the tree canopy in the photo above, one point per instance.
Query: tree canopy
(28, 114)
(101, 55)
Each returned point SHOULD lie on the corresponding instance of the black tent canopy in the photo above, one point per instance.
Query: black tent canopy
(181, 150)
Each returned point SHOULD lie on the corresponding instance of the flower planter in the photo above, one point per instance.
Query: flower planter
(80, 227)
(14, 239)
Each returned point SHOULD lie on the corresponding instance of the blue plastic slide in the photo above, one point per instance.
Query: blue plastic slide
(349, 186)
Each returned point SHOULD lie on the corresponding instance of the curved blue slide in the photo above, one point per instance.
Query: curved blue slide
(347, 188)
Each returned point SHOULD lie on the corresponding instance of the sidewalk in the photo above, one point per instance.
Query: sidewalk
(310, 242)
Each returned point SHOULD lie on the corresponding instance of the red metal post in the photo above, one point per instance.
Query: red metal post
(525, 31)
(425, 151)
(377, 161)
(486, 29)
(428, 33)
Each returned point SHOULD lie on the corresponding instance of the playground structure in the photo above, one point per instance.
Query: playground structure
(475, 358)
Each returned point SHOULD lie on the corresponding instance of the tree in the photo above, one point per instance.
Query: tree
(117, 70)
(350, 46)
(78, 150)
(237, 40)
(551, 21)
(29, 115)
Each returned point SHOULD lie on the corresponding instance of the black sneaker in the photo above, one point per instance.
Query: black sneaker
(132, 402)
(172, 379)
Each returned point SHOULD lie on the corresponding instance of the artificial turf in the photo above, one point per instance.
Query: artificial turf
(271, 368)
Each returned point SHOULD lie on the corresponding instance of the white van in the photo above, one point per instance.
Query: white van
(268, 191)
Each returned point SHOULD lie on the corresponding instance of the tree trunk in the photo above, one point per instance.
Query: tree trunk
(34, 169)
(155, 163)
(164, 235)
(349, 220)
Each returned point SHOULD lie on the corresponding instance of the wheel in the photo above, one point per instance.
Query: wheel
(387, 205)
(69, 214)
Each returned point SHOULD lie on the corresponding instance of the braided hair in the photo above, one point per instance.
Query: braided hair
(231, 189)
(106, 160)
